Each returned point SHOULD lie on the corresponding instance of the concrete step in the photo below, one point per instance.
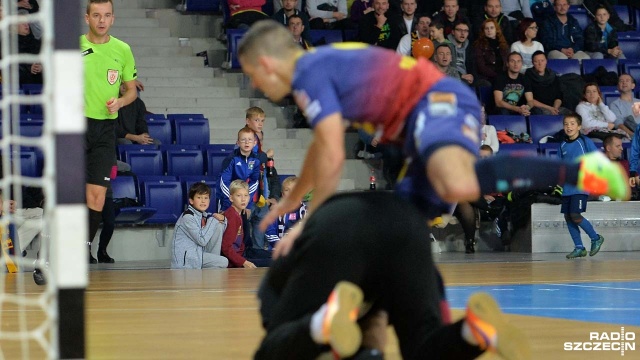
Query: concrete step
(139, 32)
(134, 41)
(144, 4)
(176, 72)
(201, 92)
(209, 113)
(195, 104)
(238, 118)
(129, 14)
(138, 22)
(181, 82)
(166, 62)
(285, 145)
(176, 50)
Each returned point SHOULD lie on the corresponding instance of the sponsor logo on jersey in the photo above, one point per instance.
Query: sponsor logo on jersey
(112, 76)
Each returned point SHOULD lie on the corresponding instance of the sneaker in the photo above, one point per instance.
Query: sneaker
(601, 176)
(340, 328)
(492, 331)
(577, 252)
(595, 245)
(38, 277)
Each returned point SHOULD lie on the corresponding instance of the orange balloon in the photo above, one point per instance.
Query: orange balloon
(422, 47)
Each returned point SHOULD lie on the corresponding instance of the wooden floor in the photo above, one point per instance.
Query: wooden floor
(212, 314)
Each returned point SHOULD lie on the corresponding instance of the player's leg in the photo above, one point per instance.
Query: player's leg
(108, 227)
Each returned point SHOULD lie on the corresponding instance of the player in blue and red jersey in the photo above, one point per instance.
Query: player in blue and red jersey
(407, 101)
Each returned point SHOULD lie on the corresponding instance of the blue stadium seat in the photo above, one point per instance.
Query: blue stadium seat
(160, 129)
(544, 125)
(154, 116)
(519, 149)
(564, 66)
(165, 196)
(192, 131)
(184, 162)
(233, 38)
(322, 37)
(351, 35)
(29, 164)
(202, 5)
(145, 161)
(590, 65)
(214, 162)
(31, 127)
(610, 97)
(581, 15)
(630, 48)
(120, 149)
(184, 116)
(125, 187)
(549, 149)
(219, 148)
(515, 123)
(212, 182)
(623, 13)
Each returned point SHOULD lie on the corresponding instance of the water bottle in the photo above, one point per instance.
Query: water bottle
(270, 170)
(372, 180)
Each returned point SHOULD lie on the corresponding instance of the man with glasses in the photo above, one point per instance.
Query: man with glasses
(465, 62)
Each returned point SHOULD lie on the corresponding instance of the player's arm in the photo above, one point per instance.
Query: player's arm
(323, 164)
(453, 181)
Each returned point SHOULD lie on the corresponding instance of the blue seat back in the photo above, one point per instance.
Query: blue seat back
(185, 116)
(581, 15)
(154, 116)
(165, 196)
(160, 129)
(214, 163)
(549, 149)
(31, 127)
(192, 131)
(322, 37)
(202, 5)
(544, 125)
(589, 66)
(233, 39)
(145, 161)
(630, 48)
(519, 149)
(184, 162)
(564, 66)
(124, 187)
(623, 13)
(515, 123)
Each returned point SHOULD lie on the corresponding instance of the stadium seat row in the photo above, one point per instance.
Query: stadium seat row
(175, 159)
(184, 129)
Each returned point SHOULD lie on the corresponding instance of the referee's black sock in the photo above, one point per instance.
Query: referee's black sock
(95, 217)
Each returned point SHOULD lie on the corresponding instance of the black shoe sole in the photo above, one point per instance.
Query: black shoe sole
(38, 278)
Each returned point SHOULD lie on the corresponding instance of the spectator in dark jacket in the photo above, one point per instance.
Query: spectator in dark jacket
(615, 20)
(131, 126)
(491, 51)
(374, 27)
(290, 7)
(601, 39)
(493, 10)
(562, 35)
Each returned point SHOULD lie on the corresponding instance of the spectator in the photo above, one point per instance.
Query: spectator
(491, 51)
(596, 115)
(233, 246)
(574, 202)
(493, 10)
(197, 238)
(28, 44)
(131, 126)
(245, 12)
(613, 149)
(422, 31)
(511, 91)
(465, 60)
(281, 226)
(600, 38)
(516, 10)
(297, 28)
(360, 8)
(622, 107)
(526, 46)
(615, 20)
(374, 27)
(545, 88)
(436, 32)
(30, 7)
(289, 8)
(634, 178)
(562, 35)
(279, 5)
(328, 14)
(450, 16)
(243, 164)
(541, 9)
(403, 23)
(443, 61)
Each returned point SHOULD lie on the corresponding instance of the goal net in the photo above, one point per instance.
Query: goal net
(41, 128)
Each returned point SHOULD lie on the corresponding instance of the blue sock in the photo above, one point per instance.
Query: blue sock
(588, 228)
(574, 231)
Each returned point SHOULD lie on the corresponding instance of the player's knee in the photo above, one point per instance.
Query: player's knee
(455, 191)
(575, 218)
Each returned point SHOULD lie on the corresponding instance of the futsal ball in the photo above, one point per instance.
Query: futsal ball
(422, 47)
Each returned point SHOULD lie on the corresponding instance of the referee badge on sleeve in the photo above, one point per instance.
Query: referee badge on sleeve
(113, 76)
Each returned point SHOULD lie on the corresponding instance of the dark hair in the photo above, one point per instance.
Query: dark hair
(609, 140)
(522, 28)
(199, 188)
(600, 6)
(295, 16)
(573, 115)
(514, 53)
(91, 2)
(461, 22)
(538, 52)
(584, 90)
(442, 45)
(487, 148)
(436, 24)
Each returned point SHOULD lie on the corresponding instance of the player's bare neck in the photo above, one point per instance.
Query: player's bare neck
(98, 39)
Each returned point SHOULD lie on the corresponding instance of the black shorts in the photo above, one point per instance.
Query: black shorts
(100, 150)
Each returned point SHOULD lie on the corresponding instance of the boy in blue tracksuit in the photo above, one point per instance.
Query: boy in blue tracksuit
(574, 202)
(279, 228)
(243, 164)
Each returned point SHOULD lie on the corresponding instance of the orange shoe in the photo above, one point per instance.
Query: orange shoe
(492, 331)
(339, 327)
